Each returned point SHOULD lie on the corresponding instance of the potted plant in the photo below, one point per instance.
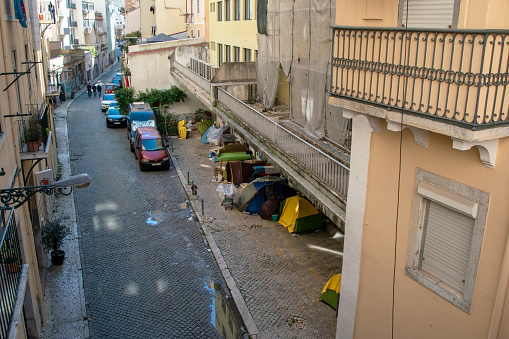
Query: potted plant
(53, 236)
(33, 135)
(10, 258)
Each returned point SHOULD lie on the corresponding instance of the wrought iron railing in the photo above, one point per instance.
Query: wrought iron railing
(324, 167)
(10, 269)
(456, 76)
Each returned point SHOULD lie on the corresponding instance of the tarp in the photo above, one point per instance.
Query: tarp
(268, 207)
(251, 191)
(331, 291)
(203, 126)
(232, 156)
(215, 133)
(240, 171)
(299, 215)
(203, 138)
(182, 129)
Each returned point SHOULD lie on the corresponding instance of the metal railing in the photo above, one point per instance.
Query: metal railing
(329, 170)
(203, 69)
(10, 269)
(458, 77)
(197, 79)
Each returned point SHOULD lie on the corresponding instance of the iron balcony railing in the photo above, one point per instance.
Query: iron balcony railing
(456, 76)
(10, 269)
(324, 167)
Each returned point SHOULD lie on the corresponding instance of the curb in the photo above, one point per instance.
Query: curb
(251, 327)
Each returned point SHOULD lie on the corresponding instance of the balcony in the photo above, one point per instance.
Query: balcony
(457, 77)
(45, 15)
(71, 5)
(98, 16)
(34, 135)
(10, 271)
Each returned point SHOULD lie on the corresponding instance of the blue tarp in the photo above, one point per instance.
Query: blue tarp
(204, 136)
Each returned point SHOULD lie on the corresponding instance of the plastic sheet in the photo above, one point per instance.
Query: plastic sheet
(298, 40)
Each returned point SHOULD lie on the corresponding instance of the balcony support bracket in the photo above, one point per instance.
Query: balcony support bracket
(487, 149)
(420, 136)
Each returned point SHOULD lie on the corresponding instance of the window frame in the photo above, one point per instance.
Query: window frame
(228, 10)
(459, 198)
(454, 19)
(247, 52)
(228, 53)
(219, 11)
(236, 10)
(248, 9)
(236, 53)
(219, 54)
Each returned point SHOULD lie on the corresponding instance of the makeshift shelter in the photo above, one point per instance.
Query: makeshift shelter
(240, 171)
(215, 133)
(254, 195)
(268, 207)
(331, 291)
(299, 215)
(203, 126)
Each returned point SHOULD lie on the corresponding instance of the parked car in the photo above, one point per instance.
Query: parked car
(109, 88)
(150, 149)
(139, 114)
(106, 101)
(114, 103)
(114, 118)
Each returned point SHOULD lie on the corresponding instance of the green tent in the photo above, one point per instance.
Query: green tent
(299, 215)
(331, 291)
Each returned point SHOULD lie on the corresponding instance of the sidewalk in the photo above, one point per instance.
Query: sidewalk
(64, 299)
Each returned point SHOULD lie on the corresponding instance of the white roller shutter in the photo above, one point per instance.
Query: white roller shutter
(427, 13)
(447, 244)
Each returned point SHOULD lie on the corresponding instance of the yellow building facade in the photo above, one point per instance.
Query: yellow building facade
(162, 16)
(427, 231)
(232, 31)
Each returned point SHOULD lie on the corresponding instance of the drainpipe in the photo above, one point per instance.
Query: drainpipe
(501, 295)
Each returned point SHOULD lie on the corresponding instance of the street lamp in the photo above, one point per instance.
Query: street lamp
(15, 197)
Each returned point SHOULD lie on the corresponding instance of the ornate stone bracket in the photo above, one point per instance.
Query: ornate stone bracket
(420, 135)
(374, 122)
(487, 149)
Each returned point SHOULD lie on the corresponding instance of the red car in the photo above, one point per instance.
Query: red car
(109, 89)
(150, 149)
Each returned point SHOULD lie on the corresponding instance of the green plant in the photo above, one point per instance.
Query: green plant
(54, 233)
(33, 131)
(124, 96)
(91, 49)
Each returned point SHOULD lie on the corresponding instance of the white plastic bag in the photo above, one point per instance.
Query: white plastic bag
(226, 190)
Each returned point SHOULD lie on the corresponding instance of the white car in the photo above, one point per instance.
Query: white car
(106, 101)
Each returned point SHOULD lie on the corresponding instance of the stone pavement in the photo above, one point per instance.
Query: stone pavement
(274, 277)
(64, 299)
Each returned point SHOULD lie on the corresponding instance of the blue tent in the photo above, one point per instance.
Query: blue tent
(253, 196)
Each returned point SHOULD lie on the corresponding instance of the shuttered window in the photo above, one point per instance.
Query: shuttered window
(429, 13)
(447, 241)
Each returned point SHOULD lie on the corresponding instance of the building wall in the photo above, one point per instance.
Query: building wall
(132, 21)
(196, 23)
(147, 19)
(240, 33)
(150, 68)
(419, 312)
(169, 18)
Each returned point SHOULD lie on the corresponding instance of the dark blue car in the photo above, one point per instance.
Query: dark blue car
(114, 118)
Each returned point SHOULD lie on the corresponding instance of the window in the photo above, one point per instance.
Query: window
(192, 33)
(248, 10)
(198, 32)
(220, 11)
(446, 233)
(198, 7)
(429, 14)
(212, 46)
(236, 54)
(220, 54)
(227, 9)
(247, 54)
(236, 6)
(212, 7)
(27, 59)
(16, 84)
(228, 53)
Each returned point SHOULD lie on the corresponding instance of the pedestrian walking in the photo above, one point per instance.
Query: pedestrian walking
(89, 90)
(94, 89)
(99, 89)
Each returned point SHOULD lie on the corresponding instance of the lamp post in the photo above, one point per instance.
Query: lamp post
(15, 197)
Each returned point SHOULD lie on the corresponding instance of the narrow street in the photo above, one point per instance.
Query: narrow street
(147, 271)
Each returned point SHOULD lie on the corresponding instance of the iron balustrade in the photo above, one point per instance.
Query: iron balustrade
(10, 269)
(197, 79)
(458, 77)
(203, 69)
(326, 168)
